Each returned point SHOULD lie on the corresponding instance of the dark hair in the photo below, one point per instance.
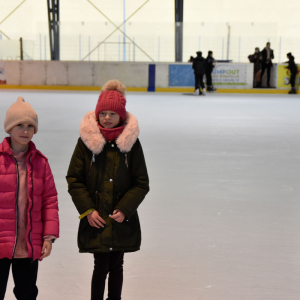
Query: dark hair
(268, 43)
(289, 54)
(210, 52)
(199, 53)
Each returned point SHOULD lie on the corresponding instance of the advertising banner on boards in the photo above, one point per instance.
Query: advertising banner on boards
(229, 74)
(2, 73)
(224, 75)
(283, 77)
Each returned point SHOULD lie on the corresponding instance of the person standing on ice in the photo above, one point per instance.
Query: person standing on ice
(256, 59)
(108, 180)
(199, 66)
(191, 59)
(210, 64)
(293, 69)
(267, 56)
(28, 204)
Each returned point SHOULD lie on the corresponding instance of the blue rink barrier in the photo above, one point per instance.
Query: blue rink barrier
(151, 79)
(181, 75)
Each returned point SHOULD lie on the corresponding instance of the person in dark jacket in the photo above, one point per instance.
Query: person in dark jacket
(191, 59)
(210, 61)
(267, 56)
(108, 180)
(256, 58)
(294, 70)
(199, 66)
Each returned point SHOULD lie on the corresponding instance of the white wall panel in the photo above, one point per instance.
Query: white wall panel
(33, 72)
(81, 73)
(57, 73)
(13, 72)
(131, 74)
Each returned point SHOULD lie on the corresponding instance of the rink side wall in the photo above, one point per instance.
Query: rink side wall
(137, 76)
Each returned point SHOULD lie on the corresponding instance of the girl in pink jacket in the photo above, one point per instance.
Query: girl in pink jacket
(28, 203)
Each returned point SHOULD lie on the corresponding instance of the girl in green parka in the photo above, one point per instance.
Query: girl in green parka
(108, 180)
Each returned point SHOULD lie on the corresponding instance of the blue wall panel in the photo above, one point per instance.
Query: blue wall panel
(181, 75)
(151, 79)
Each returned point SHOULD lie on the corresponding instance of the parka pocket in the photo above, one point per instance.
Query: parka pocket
(88, 236)
(127, 233)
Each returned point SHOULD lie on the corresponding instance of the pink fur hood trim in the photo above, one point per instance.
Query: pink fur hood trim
(94, 139)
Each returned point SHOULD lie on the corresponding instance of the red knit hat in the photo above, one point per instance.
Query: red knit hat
(112, 98)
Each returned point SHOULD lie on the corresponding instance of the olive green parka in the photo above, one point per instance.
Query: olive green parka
(106, 176)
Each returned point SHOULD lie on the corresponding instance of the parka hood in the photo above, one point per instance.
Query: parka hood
(94, 139)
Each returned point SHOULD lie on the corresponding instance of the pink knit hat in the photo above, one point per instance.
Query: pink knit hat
(112, 98)
(20, 112)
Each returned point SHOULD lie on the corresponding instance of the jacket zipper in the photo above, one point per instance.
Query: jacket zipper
(17, 206)
(92, 160)
(126, 160)
(31, 207)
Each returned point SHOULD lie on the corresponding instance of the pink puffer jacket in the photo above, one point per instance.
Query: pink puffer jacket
(42, 212)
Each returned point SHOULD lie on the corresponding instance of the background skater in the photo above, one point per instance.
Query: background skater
(210, 64)
(199, 66)
(294, 70)
(267, 56)
(256, 58)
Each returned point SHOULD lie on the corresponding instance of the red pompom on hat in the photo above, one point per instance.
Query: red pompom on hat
(112, 98)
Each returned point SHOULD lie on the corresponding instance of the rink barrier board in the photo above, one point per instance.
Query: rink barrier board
(151, 78)
(224, 91)
(224, 75)
(139, 77)
(65, 88)
(252, 91)
(142, 89)
(283, 77)
(72, 73)
(131, 74)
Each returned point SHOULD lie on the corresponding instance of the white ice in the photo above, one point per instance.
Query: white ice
(222, 219)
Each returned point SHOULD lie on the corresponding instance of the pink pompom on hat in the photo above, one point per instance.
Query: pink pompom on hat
(112, 98)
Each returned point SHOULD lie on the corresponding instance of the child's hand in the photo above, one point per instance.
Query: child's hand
(118, 216)
(46, 249)
(95, 220)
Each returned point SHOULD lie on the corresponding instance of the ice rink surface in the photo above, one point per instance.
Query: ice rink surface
(222, 219)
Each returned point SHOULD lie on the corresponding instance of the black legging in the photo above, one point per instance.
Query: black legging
(112, 263)
(24, 272)
(208, 78)
(268, 67)
(199, 81)
(293, 79)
